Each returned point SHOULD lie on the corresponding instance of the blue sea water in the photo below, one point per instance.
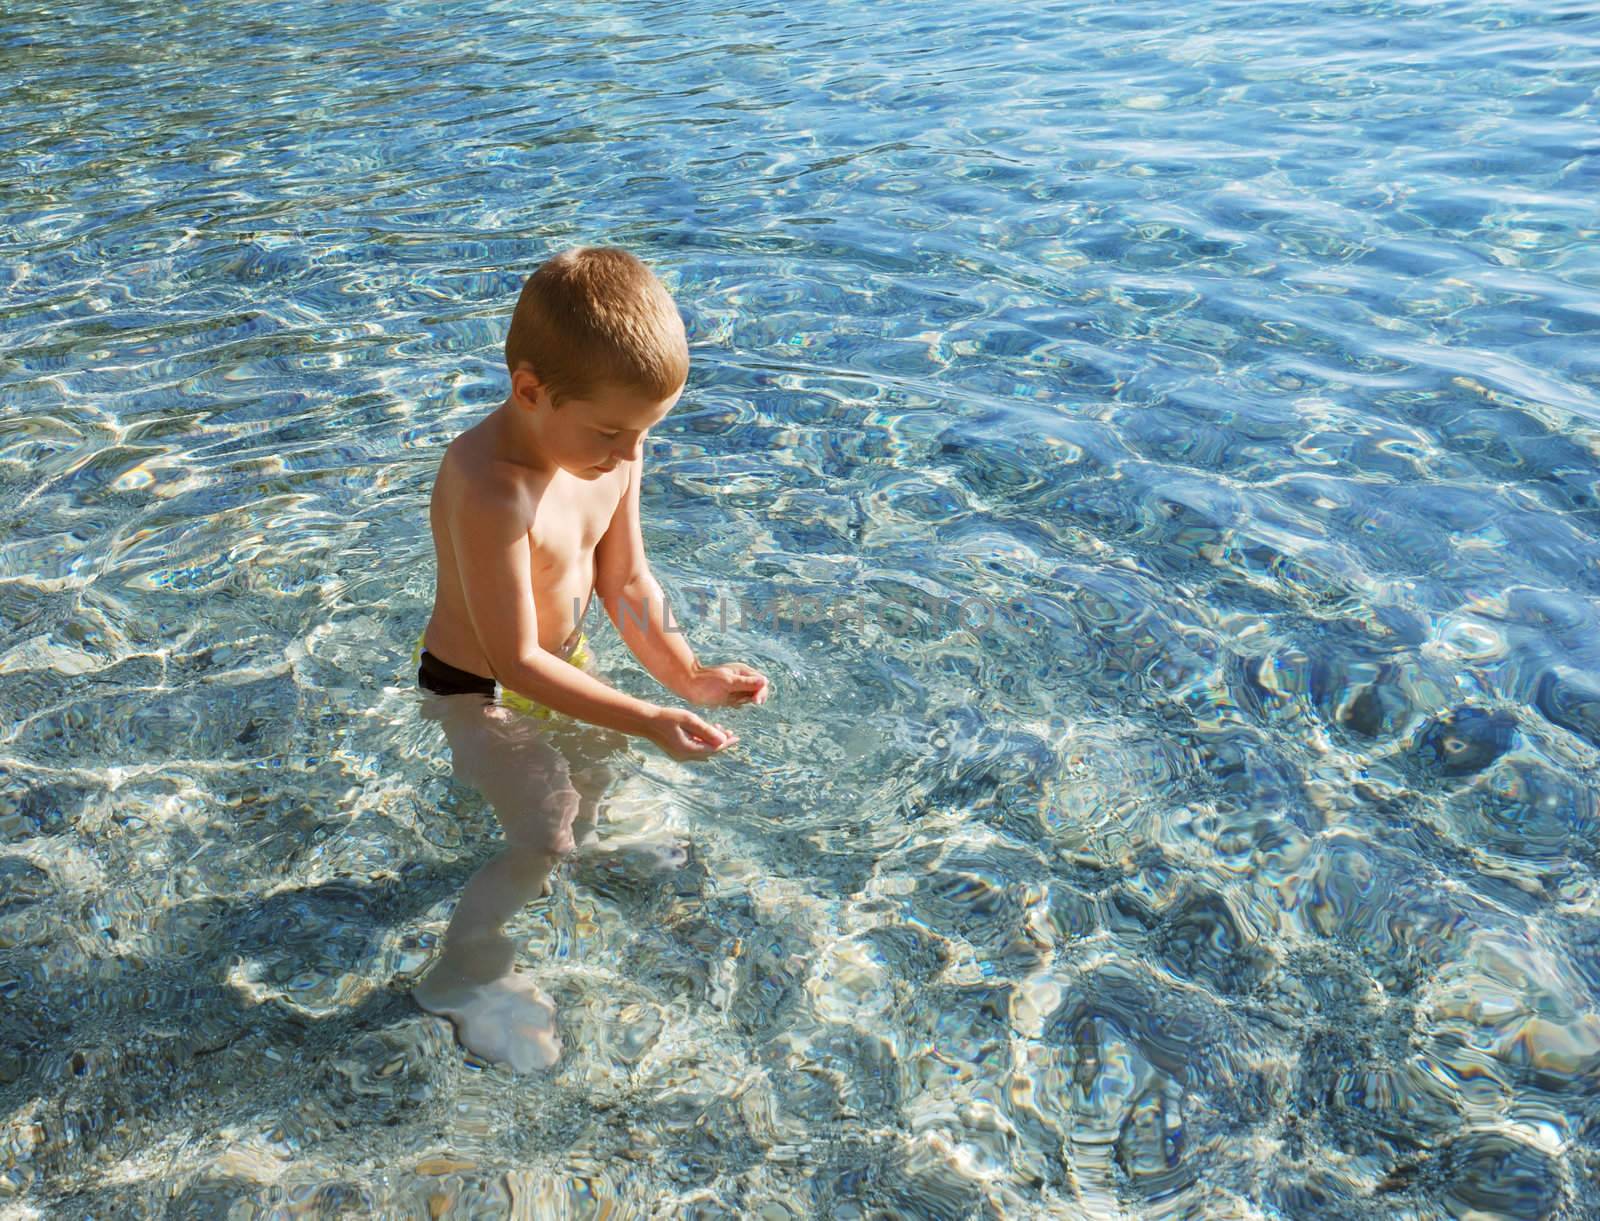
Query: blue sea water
(1232, 370)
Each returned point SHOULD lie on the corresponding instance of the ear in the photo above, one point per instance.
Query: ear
(526, 388)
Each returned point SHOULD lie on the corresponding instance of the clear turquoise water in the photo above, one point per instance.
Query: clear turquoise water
(1243, 356)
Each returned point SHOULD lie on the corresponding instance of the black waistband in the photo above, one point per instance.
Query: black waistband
(442, 678)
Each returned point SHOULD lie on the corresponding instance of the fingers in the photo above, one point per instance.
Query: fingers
(745, 688)
(715, 734)
(703, 738)
(697, 748)
(749, 685)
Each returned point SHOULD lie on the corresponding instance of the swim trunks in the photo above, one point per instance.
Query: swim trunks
(441, 678)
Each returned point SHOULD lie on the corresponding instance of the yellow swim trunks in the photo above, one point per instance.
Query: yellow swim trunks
(442, 678)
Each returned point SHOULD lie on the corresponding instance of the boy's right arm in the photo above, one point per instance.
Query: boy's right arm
(492, 557)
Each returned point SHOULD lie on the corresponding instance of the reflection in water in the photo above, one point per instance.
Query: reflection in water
(545, 808)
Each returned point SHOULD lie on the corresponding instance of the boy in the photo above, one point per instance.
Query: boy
(536, 508)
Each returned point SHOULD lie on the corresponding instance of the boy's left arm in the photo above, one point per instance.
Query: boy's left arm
(634, 599)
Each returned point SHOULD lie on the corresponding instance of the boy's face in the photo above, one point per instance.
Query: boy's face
(589, 436)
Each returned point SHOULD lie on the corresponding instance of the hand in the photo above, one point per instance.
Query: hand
(730, 683)
(685, 736)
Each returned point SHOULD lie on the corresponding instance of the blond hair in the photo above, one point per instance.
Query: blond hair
(595, 316)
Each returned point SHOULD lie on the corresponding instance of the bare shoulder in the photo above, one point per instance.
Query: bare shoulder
(472, 480)
(619, 556)
(622, 498)
(468, 457)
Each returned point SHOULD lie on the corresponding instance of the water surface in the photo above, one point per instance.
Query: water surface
(1238, 362)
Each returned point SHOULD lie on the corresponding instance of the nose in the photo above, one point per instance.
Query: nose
(631, 450)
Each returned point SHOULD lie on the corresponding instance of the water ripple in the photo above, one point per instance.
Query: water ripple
(1154, 453)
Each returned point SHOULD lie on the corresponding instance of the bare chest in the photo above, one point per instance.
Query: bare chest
(568, 519)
